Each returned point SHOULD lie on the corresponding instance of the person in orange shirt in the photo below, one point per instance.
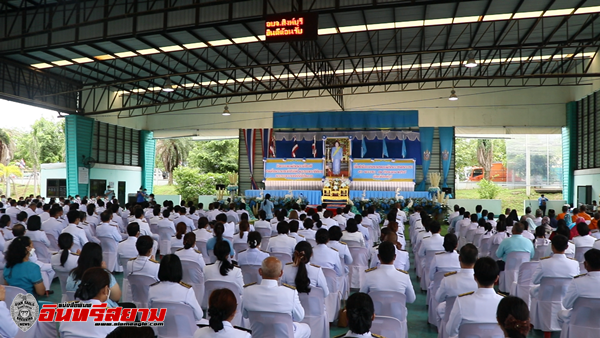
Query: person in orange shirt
(575, 215)
(565, 209)
(583, 214)
(594, 222)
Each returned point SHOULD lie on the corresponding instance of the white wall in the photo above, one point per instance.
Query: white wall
(494, 206)
(587, 177)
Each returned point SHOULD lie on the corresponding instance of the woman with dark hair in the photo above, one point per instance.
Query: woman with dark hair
(308, 232)
(301, 273)
(34, 230)
(171, 288)
(267, 206)
(19, 271)
(352, 233)
(448, 259)
(242, 237)
(91, 257)
(223, 269)
(562, 229)
(335, 234)
(218, 231)
(253, 255)
(222, 306)
(5, 231)
(262, 221)
(512, 218)
(94, 289)
(360, 313)
(189, 252)
(177, 240)
(513, 317)
(64, 260)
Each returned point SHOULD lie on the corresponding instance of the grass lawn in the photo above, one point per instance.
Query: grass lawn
(19, 189)
(510, 198)
(164, 190)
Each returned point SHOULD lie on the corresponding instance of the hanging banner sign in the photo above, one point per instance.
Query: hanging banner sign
(383, 170)
(293, 169)
(291, 27)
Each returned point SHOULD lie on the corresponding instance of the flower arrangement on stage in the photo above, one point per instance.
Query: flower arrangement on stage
(336, 183)
(383, 205)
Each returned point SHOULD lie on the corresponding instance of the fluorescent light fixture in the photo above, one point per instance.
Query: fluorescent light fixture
(558, 12)
(246, 39)
(453, 96)
(471, 63)
(352, 29)
(168, 86)
(408, 24)
(327, 31)
(83, 60)
(62, 63)
(148, 51)
(226, 111)
(379, 26)
(497, 17)
(104, 57)
(195, 45)
(127, 54)
(42, 65)
(262, 37)
(528, 15)
(223, 42)
(436, 22)
(173, 48)
(588, 10)
(466, 19)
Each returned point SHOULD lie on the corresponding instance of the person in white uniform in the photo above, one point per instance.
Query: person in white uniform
(268, 295)
(126, 248)
(93, 289)
(107, 230)
(457, 282)
(8, 327)
(335, 234)
(513, 317)
(223, 269)
(143, 264)
(64, 260)
(308, 232)
(324, 256)
(303, 275)
(557, 265)
(402, 260)
(262, 221)
(584, 239)
(229, 226)
(79, 237)
(34, 230)
(479, 306)
(253, 255)
(386, 277)
(171, 288)
(582, 286)
(435, 243)
(189, 223)
(360, 312)
(45, 268)
(203, 233)
(282, 242)
(447, 260)
(340, 219)
(189, 252)
(352, 233)
(222, 307)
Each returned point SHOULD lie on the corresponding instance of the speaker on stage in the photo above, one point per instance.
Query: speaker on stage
(447, 190)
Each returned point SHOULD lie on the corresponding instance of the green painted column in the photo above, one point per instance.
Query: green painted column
(569, 147)
(79, 132)
(147, 152)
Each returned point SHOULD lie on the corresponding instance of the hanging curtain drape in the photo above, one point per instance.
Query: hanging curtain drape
(250, 142)
(267, 135)
(446, 147)
(426, 146)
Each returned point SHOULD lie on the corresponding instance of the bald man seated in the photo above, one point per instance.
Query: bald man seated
(270, 297)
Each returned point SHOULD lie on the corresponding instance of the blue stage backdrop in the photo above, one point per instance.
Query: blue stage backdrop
(387, 119)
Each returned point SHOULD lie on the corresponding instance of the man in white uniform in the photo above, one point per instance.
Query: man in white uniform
(340, 219)
(189, 224)
(282, 242)
(434, 243)
(144, 263)
(479, 306)
(8, 327)
(53, 226)
(126, 248)
(79, 237)
(269, 296)
(557, 265)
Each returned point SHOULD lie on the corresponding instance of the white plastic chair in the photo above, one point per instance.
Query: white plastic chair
(470, 235)
(179, 320)
(62, 278)
(140, 285)
(271, 324)
(237, 247)
(164, 240)
(211, 285)
(53, 243)
(69, 296)
(391, 304)
(11, 293)
(201, 246)
(540, 252)
(442, 333)
(432, 304)
(513, 262)
(282, 256)
(265, 233)
(175, 246)
(193, 275)
(426, 263)
(109, 252)
(42, 251)
(493, 249)
(579, 252)
(332, 301)
(521, 286)
(312, 242)
(314, 312)
(250, 273)
(126, 288)
(545, 308)
(354, 244)
(485, 247)
(477, 240)
(484, 330)
(584, 319)
(360, 262)
(386, 327)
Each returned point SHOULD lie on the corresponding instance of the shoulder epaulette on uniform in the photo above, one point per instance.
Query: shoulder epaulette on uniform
(80, 227)
(450, 273)
(243, 329)
(571, 242)
(260, 250)
(466, 294)
(56, 253)
(371, 269)
(499, 294)
(290, 263)
(441, 252)
(249, 284)
(334, 249)
(199, 251)
(343, 243)
(376, 335)
(572, 258)
(426, 237)
(154, 283)
(545, 257)
(402, 271)
(179, 249)
(132, 259)
(74, 253)
(122, 241)
(153, 261)
(583, 274)
(185, 285)
(316, 266)
(300, 235)
(288, 286)
(242, 250)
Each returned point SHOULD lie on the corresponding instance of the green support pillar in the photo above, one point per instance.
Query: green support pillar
(79, 133)
(147, 152)
(569, 147)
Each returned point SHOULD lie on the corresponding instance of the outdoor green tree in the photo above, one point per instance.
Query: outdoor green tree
(172, 153)
(215, 156)
(6, 171)
(190, 183)
(6, 146)
(466, 154)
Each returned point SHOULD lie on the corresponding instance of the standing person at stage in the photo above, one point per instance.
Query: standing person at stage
(268, 207)
(542, 201)
(337, 153)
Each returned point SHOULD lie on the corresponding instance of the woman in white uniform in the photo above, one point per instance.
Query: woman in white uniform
(223, 269)
(64, 260)
(253, 255)
(360, 312)
(189, 252)
(301, 274)
(222, 307)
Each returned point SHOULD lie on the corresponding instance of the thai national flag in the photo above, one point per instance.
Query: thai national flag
(314, 146)
(272, 150)
(294, 148)
(21, 164)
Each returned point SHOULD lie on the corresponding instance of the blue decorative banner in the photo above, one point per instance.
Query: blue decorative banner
(383, 170)
(293, 169)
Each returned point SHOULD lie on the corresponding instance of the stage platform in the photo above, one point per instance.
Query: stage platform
(314, 196)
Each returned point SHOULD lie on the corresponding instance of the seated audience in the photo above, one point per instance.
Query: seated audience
(513, 317)
(222, 306)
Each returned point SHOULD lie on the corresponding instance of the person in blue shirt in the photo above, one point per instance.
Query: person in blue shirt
(19, 271)
(478, 209)
(218, 231)
(267, 206)
(140, 196)
(516, 242)
(542, 204)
